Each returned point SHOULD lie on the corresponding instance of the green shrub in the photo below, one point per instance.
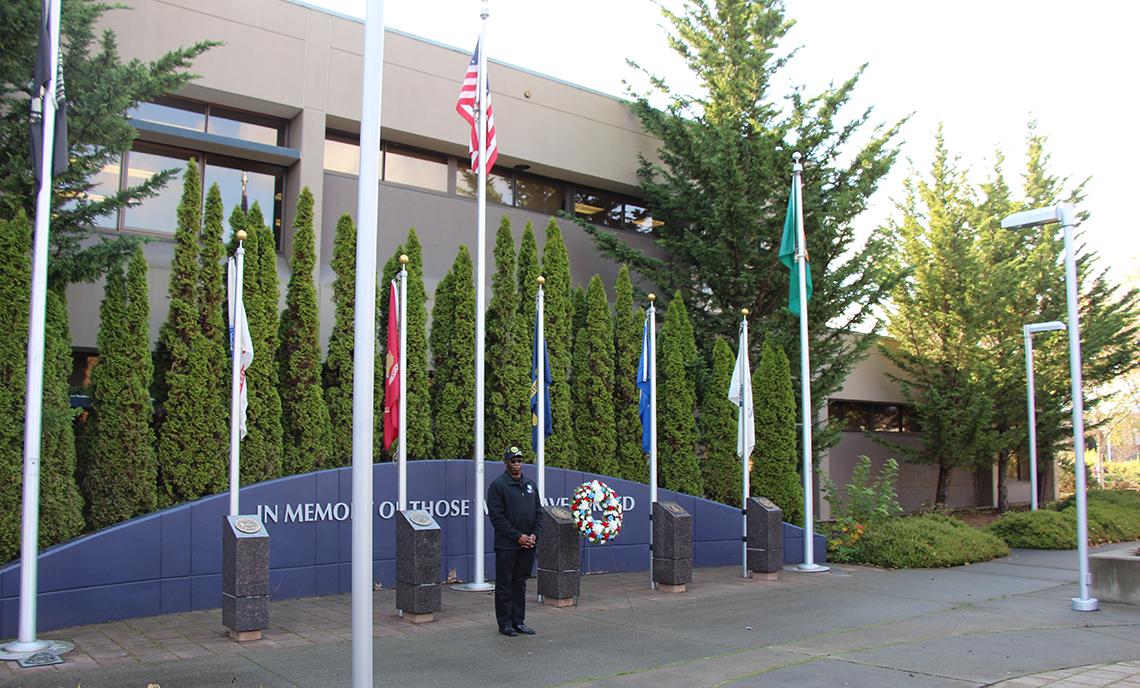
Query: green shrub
(926, 541)
(864, 501)
(1043, 529)
(1123, 475)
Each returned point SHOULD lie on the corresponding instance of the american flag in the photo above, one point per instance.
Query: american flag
(468, 107)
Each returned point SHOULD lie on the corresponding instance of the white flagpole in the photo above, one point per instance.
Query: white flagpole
(742, 441)
(364, 342)
(402, 370)
(809, 564)
(236, 345)
(478, 581)
(540, 389)
(26, 642)
(651, 365)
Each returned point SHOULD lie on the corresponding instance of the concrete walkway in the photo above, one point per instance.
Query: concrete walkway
(1006, 623)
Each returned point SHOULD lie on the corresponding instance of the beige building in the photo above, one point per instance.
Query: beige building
(281, 101)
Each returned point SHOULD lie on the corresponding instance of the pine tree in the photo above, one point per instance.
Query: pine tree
(338, 370)
(418, 403)
(721, 190)
(632, 462)
(305, 417)
(101, 88)
(261, 449)
(677, 403)
(191, 462)
(455, 411)
(595, 436)
(722, 470)
(774, 457)
(507, 397)
(120, 480)
(556, 269)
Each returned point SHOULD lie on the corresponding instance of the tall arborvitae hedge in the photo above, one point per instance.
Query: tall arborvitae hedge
(556, 269)
(120, 477)
(261, 449)
(774, 458)
(455, 369)
(15, 303)
(191, 463)
(632, 462)
(339, 364)
(61, 506)
(594, 429)
(418, 403)
(507, 396)
(212, 315)
(677, 403)
(528, 274)
(305, 417)
(723, 471)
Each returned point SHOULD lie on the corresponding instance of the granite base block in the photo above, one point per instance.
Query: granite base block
(418, 599)
(559, 548)
(240, 614)
(417, 549)
(765, 560)
(765, 522)
(672, 531)
(558, 584)
(672, 571)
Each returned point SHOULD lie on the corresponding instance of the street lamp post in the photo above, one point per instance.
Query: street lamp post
(1064, 213)
(1030, 330)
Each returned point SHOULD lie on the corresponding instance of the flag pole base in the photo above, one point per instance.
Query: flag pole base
(1085, 605)
(485, 586)
(808, 568)
(15, 650)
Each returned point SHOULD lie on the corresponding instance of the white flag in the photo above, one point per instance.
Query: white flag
(246, 341)
(740, 393)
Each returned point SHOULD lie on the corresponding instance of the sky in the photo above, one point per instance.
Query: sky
(980, 68)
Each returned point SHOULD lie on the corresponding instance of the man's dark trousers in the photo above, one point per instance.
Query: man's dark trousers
(512, 569)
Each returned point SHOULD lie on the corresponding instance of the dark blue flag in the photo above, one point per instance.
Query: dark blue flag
(643, 384)
(534, 388)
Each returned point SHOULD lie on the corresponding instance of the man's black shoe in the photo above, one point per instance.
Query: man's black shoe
(524, 629)
(508, 631)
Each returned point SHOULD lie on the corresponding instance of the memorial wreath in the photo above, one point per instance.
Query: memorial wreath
(597, 495)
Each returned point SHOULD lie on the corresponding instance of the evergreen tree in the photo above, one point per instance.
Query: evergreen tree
(101, 88)
(722, 470)
(508, 388)
(191, 462)
(211, 312)
(339, 364)
(528, 274)
(418, 403)
(774, 457)
(455, 372)
(721, 190)
(677, 403)
(594, 429)
(305, 417)
(632, 462)
(120, 480)
(261, 449)
(556, 269)
(578, 309)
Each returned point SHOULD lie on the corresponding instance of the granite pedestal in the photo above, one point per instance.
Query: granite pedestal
(765, 538)
(418, 563)
(559, 557)
(672, 546)
(245, 577)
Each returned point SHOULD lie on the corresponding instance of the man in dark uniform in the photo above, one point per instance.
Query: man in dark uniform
(516, 514)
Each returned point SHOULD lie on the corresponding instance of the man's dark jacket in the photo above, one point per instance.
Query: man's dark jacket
(515, 510)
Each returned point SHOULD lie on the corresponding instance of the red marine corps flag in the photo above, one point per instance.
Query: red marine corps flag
(392, 374)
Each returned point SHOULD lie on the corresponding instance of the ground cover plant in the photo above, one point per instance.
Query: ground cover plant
(1114, 516)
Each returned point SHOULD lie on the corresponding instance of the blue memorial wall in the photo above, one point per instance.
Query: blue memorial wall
(171, 560)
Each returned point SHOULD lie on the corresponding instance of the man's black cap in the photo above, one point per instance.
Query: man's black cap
(512, 452)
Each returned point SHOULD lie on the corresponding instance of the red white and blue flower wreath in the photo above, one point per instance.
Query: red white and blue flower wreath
(597, 495)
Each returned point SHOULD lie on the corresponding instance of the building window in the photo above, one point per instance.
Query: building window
(866, 416)
(539, 194)
(500, 184)
(342, 154)
(212, 119)
(612, 210)
(415, 168)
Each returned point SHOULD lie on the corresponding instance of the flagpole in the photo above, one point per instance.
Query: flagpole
(479, 582)
(540, 388)
(742, 442)
(809, 564)
(651, 364)
(364, 343)
(236, 346)
(26, 643)
(402, 371)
